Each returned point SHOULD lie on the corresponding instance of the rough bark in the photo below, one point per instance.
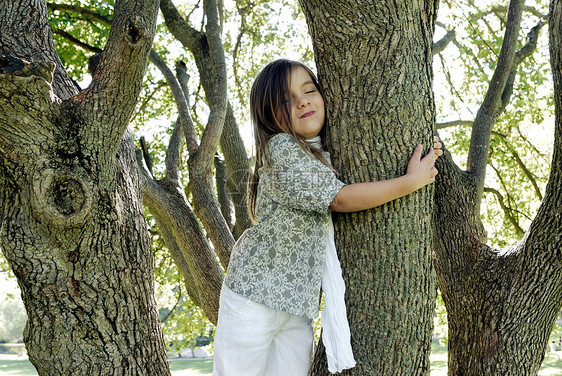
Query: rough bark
(71, 221)
(195, 259)
(501, 304)
(166, 200)
(186, 241)
(374, 62)
(41, 47)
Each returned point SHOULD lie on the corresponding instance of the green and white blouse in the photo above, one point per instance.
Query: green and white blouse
(280, 261)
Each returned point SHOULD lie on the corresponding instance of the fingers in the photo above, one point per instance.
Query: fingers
(433, 172)
(430, 157)
(418, 152)
(423, 169)
(436, 149)
(437, 146)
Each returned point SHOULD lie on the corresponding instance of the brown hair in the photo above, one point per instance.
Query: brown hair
(271, 115)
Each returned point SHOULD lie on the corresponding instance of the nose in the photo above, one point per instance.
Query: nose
(302, 102)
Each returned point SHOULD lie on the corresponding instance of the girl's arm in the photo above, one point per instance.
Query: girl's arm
(362, 196)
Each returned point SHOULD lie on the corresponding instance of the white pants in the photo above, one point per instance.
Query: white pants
(255, 340)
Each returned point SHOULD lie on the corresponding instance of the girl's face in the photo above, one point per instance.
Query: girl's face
(306, 105)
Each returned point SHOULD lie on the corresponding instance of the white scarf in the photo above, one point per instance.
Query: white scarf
(335, 327)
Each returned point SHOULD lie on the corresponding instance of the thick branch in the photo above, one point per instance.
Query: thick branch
(548, 221)
(491, 106)
(23, 36)
(178, 89)
(181, 102)
(180, 262)
(238, 169)
(231, 143)
(490, 292)
(26, 100)
(521, 55)
(207, 208)
(453, 226)
(167, 202)
(118, 77)
(211, 64)
(218, 103)
(106, 19)
(182, 31)
(441, 44)
(233, 147)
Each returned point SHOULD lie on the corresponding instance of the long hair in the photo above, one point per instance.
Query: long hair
(271, 115)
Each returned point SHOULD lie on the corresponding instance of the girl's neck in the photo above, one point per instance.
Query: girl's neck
(315, 141)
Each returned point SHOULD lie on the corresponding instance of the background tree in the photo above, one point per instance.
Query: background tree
(515, 178)
(501, 303)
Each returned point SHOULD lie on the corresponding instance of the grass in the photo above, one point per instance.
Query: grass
(192, 367)
(16, 367)
(552, 365)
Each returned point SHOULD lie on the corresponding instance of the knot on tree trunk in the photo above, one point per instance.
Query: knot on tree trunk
(14, 66)
(62, 196)
(135, 28)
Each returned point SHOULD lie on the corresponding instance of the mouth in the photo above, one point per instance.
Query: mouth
(308, 114)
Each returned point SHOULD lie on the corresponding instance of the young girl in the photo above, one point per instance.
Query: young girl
(272, 288)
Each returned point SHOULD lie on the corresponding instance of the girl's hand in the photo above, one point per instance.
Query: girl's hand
(362, 196)
(422, 171)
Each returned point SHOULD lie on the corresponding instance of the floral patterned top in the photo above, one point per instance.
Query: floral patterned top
(280, 261)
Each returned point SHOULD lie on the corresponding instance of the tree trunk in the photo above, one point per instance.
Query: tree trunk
(71, 220)
(501, 304)
(375, 64)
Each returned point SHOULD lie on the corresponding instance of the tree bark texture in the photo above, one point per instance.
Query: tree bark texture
(71, 220)
(374, 62)
(501, 303)
(164, 198)
(184, 237)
